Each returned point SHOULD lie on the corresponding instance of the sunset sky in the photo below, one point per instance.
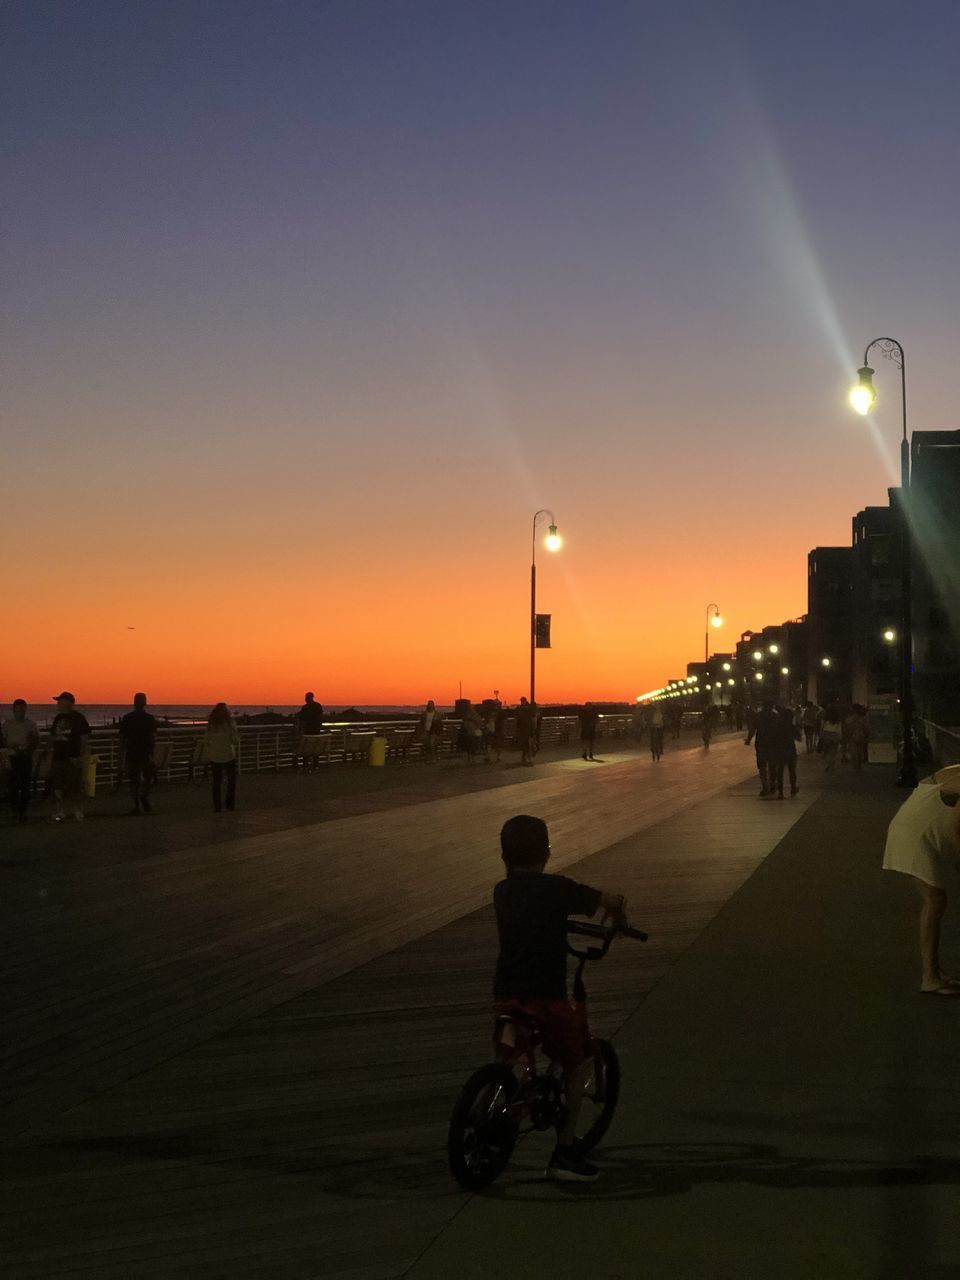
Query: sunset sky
(307, 307)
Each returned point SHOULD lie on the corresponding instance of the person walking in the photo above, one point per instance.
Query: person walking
(656, 733)
(923, 842)
(19, 738)
(785, 750)
(138, 739)
(69, 735)
(856, 729)
(676, 722)
(707, 723)
(831, 731)
(810, 719)
(222, 750)
(588, 729)
(764, 733)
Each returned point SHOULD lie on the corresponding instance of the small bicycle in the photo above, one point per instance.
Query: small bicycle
(506, 1098)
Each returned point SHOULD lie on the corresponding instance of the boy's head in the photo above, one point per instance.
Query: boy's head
(524, 842)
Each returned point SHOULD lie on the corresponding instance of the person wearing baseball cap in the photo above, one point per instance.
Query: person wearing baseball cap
(923, 841)
(69, 735)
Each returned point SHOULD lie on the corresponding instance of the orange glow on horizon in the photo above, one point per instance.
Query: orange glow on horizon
(384, 631)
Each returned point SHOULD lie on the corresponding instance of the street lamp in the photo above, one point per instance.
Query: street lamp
(863, 397)
(824, 662)
(889, 635)
(715, 621)
(552, 542)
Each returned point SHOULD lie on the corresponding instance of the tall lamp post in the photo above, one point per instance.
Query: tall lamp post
(715, 621)
(863, 397)
(552, 542)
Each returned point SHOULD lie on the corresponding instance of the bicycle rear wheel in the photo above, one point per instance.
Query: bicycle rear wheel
(600, 1096)
(482, 1133)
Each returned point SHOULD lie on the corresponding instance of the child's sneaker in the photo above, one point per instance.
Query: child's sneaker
(566, 1166)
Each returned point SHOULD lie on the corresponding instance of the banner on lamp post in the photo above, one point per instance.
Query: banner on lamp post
(542, 631)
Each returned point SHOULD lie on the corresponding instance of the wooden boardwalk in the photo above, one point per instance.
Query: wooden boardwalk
(239, 1061)
(117, 966)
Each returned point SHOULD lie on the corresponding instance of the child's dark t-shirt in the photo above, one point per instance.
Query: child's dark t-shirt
(532, 910)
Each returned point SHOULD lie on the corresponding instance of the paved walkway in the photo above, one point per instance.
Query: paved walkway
(788, 1104)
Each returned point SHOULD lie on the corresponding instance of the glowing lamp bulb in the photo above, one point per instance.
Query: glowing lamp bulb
(774, 648)
(757, 655)
(889, 635)
(824, 662)
(553, 541)
(784, 671)
(726, 666)
(716, 621)
(863, 396)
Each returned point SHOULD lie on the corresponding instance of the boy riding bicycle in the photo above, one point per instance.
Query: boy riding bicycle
(532, 909)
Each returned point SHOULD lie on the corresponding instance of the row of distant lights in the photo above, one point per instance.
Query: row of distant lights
(680, 688)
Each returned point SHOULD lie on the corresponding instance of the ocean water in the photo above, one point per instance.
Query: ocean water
(99, 714)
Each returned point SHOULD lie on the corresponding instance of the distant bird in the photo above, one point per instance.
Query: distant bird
(131, 628)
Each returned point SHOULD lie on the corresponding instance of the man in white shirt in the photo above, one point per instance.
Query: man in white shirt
(20, 739)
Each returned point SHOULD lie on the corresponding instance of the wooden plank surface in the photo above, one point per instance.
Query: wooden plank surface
(116, 967)
(307, 1140)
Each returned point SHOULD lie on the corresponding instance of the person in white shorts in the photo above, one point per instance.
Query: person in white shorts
(922, 841)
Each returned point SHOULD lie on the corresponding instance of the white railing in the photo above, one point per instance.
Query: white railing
(269, 748)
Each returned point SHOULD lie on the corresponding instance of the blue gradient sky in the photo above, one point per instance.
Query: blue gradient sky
(308, 306)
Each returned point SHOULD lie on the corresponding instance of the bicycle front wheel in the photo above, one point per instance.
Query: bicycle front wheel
(600, 1096)
(482, 1133)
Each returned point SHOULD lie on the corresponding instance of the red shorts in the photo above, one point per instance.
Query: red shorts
(563, 1025)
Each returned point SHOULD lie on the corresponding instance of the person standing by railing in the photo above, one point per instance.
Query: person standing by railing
(19, 739)
(430, 731)
(588, 729)
(222, 750)
(138, 739)
(309, 723)
(526, 730)
(69, 735)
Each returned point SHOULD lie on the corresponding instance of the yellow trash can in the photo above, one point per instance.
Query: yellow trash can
(90, 775)
(378, 751)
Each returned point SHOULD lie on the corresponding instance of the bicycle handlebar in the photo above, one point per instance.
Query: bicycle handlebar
(605, 931)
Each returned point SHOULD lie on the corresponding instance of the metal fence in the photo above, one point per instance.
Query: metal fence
(270, 748)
